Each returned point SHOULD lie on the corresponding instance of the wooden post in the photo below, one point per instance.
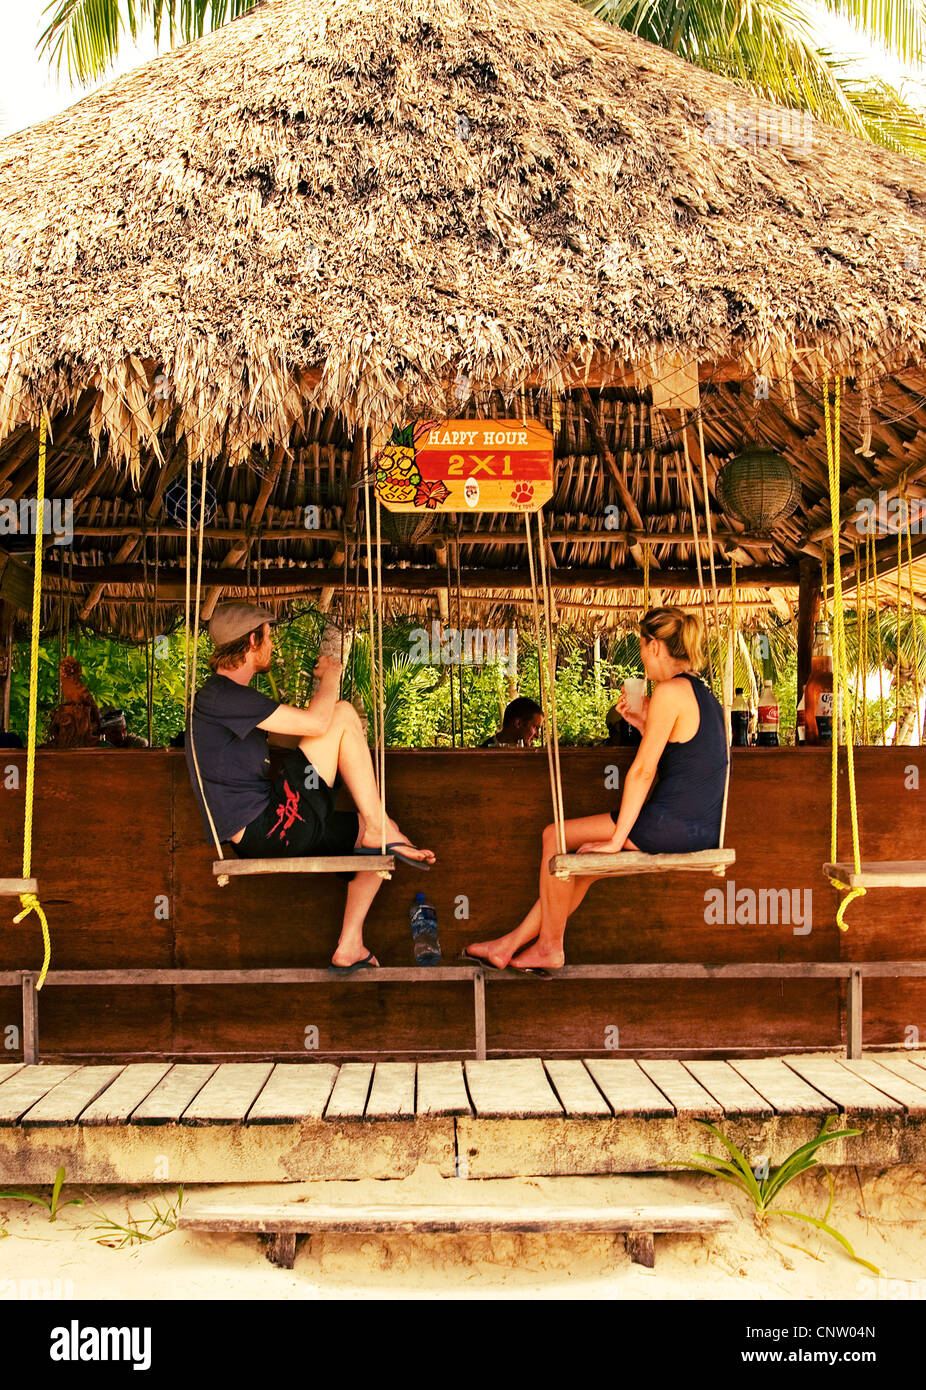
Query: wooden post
(30, 1018)
(854, 1015)
(479, 1000)
(808, 607)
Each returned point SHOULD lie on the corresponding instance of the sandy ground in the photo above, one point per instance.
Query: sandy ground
(883, 1214)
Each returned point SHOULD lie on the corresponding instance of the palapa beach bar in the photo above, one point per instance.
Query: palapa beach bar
(270, 261)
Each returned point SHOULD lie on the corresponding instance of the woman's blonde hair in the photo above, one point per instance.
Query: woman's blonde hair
(682, 633)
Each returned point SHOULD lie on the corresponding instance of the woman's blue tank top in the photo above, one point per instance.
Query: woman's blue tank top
(692, 774)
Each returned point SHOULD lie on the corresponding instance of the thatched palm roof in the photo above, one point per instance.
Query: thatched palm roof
(329, 213)
(370, 198)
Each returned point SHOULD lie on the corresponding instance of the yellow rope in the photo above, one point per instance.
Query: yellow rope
(859, 625)
(841, 685)
(878, 639)
(543, 677)
(30, 901)
(646, 558)
(913, 624)
(897, 660)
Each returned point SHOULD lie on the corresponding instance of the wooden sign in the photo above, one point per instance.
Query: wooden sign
(466, 466)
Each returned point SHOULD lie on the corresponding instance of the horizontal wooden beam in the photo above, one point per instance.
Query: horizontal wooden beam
(559, 535)
(171, 582)
(662, 970)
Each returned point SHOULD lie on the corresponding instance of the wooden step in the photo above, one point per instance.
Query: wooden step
(285, 1221)
(886, 873)
(713, 861)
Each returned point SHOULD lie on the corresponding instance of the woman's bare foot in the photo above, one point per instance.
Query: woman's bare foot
(351, 956)
(497, 952)
(372, 838)
(535, 957)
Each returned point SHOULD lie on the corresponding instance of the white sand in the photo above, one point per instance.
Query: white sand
(883, 1214)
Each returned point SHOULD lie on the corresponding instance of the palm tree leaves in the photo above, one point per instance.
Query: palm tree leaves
(86, 34)
(769, 47)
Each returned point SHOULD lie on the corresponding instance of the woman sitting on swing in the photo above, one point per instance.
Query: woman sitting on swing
(684, 742)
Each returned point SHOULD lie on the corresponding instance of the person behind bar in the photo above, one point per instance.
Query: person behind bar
(521, 723)
(277, 802)
(684, 741)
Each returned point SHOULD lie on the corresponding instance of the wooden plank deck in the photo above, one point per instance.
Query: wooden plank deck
(511, 1090)
(627, 1089)
(170, 1097)
(117, 1101)
(264, 1093)
(442, 1089)
(228, 1095)
(848, 1092)
(64, 1103)
(295, 1091)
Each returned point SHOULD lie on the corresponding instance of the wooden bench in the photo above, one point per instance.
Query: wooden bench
(282, 1223)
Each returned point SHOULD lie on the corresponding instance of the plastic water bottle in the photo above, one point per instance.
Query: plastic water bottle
(424, 931)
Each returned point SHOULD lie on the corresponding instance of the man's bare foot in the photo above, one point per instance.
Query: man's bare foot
(497, 952)
(536, 957)
(372, 838)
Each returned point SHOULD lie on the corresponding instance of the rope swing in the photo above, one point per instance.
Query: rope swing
(28, 898)
(842, 705)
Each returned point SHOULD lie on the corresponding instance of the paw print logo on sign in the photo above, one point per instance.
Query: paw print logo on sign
(522, 494)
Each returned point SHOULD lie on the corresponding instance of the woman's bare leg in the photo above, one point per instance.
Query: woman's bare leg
(500, 950)
(343, 748)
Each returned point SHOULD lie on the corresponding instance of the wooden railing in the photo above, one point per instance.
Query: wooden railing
(853, 972)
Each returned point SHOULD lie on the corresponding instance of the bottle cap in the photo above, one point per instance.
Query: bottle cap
(419, 898)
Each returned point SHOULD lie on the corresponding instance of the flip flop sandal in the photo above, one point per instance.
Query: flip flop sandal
(365, 964)
(395, 848)
(536, 970)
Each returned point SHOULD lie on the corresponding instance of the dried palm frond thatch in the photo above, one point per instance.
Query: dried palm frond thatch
(361, 205)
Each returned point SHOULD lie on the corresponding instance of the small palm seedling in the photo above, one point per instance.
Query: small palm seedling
(52, 1204)
(116, 1236)
(764, 1190)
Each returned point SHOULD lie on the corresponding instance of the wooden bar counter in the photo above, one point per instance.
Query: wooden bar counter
(124, 873)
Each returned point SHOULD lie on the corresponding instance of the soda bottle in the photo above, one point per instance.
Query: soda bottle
(818, 692)
(739, 720)
(424, 931)
(767, 736)
(800, 726)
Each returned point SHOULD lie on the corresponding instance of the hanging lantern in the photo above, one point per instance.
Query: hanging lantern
(759, 488)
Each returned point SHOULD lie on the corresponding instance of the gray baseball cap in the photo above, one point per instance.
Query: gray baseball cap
(233, 620)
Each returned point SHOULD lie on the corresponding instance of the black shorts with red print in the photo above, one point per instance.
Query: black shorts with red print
(300, 819)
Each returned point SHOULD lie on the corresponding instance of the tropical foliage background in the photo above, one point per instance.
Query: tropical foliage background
(768, 46)
(417, 695)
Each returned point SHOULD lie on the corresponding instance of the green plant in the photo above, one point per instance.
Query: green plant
(764, 1191)
(116, 1235)
(52, 1204)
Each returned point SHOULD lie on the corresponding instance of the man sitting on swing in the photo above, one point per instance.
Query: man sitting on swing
(684, 740)
(272, 803)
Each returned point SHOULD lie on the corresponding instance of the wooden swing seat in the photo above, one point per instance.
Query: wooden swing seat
(888, 873)
(12, 887)
(224, 869)
(713, 861)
